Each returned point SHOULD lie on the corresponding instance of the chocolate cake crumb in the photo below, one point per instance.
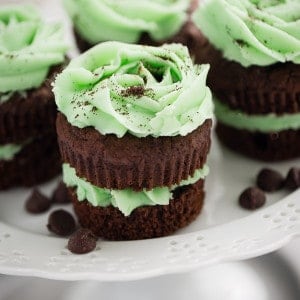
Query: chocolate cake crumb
(37, 202)
(269, 180)
(61, 223)
(82, 241)
(252, 198)
(137, 91)
(60, 194)
(292, 180)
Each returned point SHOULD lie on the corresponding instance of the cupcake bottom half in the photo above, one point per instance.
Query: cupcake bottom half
(33, 162)
(274, 146)
(144, 222)
(268, 137)
(127, 214)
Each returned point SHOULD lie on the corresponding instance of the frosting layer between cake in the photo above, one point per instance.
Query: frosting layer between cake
(125, 200)
(263, 123)
(8, 151)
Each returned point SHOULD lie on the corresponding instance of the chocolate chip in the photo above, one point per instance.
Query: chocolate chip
(82, 241)
(61, 223)
(252, 198)
(269, 180)
(61, 195)
(292, 180)
(37, 202)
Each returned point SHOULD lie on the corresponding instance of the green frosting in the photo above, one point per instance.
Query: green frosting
(125, 200)
(28, 48)
(118, 88)
(125, 21)
(262, 123)
(252, 32)
(8, 151)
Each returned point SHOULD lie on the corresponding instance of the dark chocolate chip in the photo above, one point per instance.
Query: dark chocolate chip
(82, 241)
(37, 202)
(269, 180)
(60, 195)
(292, 180)
(252, 198)
(61, 223)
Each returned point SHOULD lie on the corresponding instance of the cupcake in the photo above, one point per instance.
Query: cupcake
(134, 134)
(254, 51)
(151, 22)
(31, 53)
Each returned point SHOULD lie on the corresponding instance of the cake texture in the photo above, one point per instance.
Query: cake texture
(134, 134)
(255, 74)
(154, 22)
(36, 161)
(32, 53)
(145, 222)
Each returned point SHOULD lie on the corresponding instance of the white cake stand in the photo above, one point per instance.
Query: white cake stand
(223, 232)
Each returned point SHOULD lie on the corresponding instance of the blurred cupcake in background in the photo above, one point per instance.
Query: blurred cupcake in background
(253, 48)
(31, 53)
(151, 22)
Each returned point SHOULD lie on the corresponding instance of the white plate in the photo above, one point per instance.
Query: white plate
(223, 232)
(264, 278)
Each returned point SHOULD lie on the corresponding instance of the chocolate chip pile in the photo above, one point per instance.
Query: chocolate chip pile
(268, 180)
(61, 222)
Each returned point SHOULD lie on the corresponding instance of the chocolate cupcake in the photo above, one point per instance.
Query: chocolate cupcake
(149, 22)
(254, 51)
(31, 53)
(134, 134)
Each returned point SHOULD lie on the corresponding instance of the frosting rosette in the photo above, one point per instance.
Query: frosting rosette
(28, 48)
(252, 32)
(118, 88)
(104, 20)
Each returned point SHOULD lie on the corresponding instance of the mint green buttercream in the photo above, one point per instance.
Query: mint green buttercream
(262, 123)
(8, 151)
(118, 88)
(28, 48)
(125, 21)
(125, 200)
(252, 32)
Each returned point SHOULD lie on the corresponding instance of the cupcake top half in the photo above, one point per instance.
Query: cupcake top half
(126, 20)
(28, 48)
(122, 88)
(252, 32)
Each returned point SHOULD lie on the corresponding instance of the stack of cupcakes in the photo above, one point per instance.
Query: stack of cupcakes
(150, 22)
(134, 134)
(31, 52)
(254, 52)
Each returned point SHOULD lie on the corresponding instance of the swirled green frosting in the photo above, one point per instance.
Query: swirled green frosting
(28, 48)
(252, 32)
(125, 21)
(8, 151)
(118, 88)
(125, 200)
(262, 123)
